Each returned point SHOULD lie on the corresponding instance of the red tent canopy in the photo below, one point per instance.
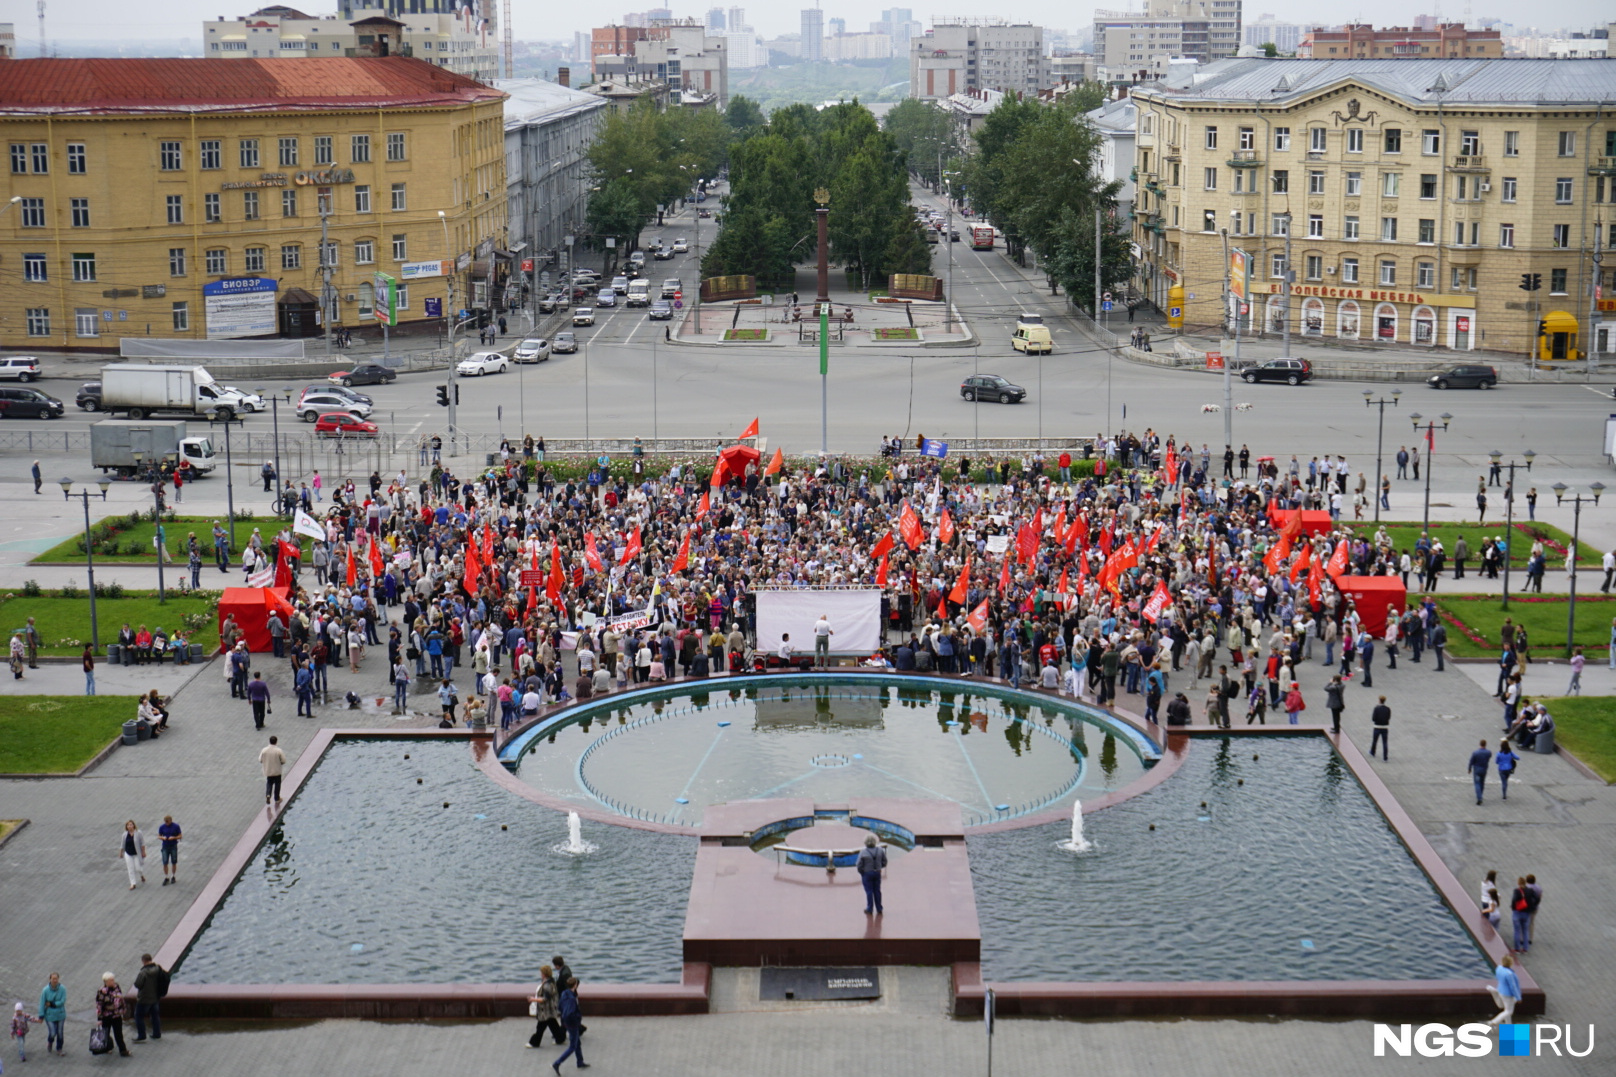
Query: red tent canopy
(1314, 522)
(251, 606)
(737, 457)
(1374, 597)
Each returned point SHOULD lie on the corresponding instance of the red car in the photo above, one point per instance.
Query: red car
(339, 424)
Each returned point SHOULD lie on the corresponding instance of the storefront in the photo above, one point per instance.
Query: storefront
(1371, 315)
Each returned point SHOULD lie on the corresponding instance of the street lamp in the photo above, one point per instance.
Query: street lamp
(1380, 429)
(275, 413)
(157, 522)
(1509, 508)
(453, 318)
(229, 476)
(1430, 456)
(1560, 488)
(89, 547)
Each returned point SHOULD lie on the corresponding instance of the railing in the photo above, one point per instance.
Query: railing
(1469, 162)
(1606, 166)
(1244, 159)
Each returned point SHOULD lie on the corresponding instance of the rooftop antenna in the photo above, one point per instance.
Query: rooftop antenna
(40, 4)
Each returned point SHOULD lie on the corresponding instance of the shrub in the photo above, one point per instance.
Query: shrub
(31, 588)
(109, 590)
(71, 590)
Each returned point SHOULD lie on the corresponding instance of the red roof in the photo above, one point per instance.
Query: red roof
(104, 86)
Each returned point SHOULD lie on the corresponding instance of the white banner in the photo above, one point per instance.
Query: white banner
(304, 524)
(854, 616)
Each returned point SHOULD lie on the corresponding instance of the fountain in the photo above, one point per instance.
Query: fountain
(575, 845)
(1076, 844)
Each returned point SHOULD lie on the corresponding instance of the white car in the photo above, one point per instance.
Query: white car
(583, 316)
(606, 297)
(250, 402)
(534, 350)
(480, 363)
(681, 245)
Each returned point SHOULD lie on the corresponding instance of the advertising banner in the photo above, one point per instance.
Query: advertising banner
(240, 307)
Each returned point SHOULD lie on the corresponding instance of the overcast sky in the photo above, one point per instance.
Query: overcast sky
(104, 19)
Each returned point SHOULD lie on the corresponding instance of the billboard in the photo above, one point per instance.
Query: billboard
(386, 299)
(854, 616)
(240, 307)
(422, 270)
(1239, 274)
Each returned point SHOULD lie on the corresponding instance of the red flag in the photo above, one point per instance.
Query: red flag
(353, 574)
(632, 550)
(1158, 601)
(1171, 464)
(532, 592)
(553, 585)
(283, 565)
(881, 573)
(706, 504)
(591, 553)
(1293, 526)
(978, 619)
(1300, 563)
(942, 609)
(377, 565)
(1273, 558)
(577, 575)
(720, 469)
(909, 527)
(1106, 538)
(1004, 576)
(881, 548)
(488, 545)
(961, 585)
(682, 561)
(1430, 438)
(1060, 527)
(1064, 587)
(1075, 534)
(1315, 579)
(750, 432)
(473, 570)
(1026, 543)
(1038, 524)
(776, 462)
(1338, 560)
(1155, 537)
(945, 528)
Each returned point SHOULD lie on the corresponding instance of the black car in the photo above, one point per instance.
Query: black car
(992, 387)
(29, 404)
(1464, 376)
(1289, 371)
(661, 311)
(365, 374)
(89, 397)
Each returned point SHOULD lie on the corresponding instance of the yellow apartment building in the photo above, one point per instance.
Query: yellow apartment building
(243, 198)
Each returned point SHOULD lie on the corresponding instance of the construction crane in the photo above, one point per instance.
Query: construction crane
(505, 37)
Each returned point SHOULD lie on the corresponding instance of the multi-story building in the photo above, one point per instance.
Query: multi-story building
(548, 131)
(1363, 41)
(858, 47)
(1203, 30)
(225, 198)
(679, 53)
(1116, 123)
(813, 34)
(1071, 67)
(1267, 30)
(1414, 195)
(613, 40)
(441, 32)
(955, 56)
(8, 41)
(899, 24)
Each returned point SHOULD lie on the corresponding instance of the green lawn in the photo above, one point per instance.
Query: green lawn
(58, 734)
(60, 619)
(1543, 615)
(1586, 725)
(1405, 534)
(117, 538)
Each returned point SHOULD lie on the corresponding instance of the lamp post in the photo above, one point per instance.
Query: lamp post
(454, 319)
(1577, 500)
(89, 549)
(1509, 508)
(275, 418)
(1430, 456)
(822, 301)
(229, 476)
(157, 521)
(1380, 429)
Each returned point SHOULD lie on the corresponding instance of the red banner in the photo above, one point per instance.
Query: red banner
(682, 561)
(978, 619)
(881, 573)
(961, 585)
(705, 505)
(632, 550)
(750, 432)
(945, 528)
(776, 462)
(909, 527)
(1338, 560)
(552, 587)
(882, 548)
(1158, 601)
(591, 554)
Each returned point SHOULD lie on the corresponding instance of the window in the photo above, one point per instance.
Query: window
(1282, 139)
(1430, 142)
(249, 153)
(182, 317)
(1315, 267)
(323, 154)
(288, 203)
(1461, 188)
(168, 155)
(84, 267)
(360, 149)
(1427, 230)
(1562, 235)
(1568, 143)
(249, 205)
(1210, 179)
(1458, 233)
(1506, 235)
(401, 203)
(1239, 177)
(1557, 281)
(1211, 138)
(175, 204)
(76, 163)
(1427, 185)
(395, 146)
(364, 252)
(34, 268)
(1349, 229)
(1456, 280)
(210, 209)
(1508, 193)
(1276, 266)
(1391, 184)
(1280, 224)
(291, 256)
(1512, 143)
(176, 261)
(40, 153)
(1388, 271)
(401, 247)
(1470, 143)
(252, 259)
(1562, 191)
(86, 323)
(1349, 271)
(31, 212)
(1209, 220)
(1315, 226)
(1316, 139)
(361, 198)
(1355, 140)
(1315, 181)
(1354, 184)
(288, 152)
(218, 262)
(39, 321)
(211, 153)
(1388, 229)
(81, 212)
(367, 299)
(1282, 181)
(1425, 274)
(1393, 141)
(19, 158)
(322, 201)
(328, 254)
(401, 296)
(1248, 138)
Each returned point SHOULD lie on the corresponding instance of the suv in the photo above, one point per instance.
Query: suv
(1465, 376)
(89, 397)
(353, 395)
(1289, 371)
(992, 387)
(316, 403)
(24, 368)
(670, 287)
(26, 403)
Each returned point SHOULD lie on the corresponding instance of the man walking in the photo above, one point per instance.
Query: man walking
(1381, 716)
(1334, 702)
(1438, 639)
(872, 861)
(572, 1020)
(258, 696)
(1366, 656)
(1227, 690)
(169, 833)
(1480, 760)
(38, 478)
(822, 634)
(273, 762)
(149, 988)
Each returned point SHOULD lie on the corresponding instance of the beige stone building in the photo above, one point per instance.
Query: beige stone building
(1415, 195)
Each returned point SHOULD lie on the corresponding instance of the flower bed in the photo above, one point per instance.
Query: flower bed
(746, 334)
(895, 333)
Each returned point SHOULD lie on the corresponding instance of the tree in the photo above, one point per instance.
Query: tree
(908, 252)
(1068, 252)
(924, 135)
(744, 117)
(985, 170)
(615, 212)
(1270, 49)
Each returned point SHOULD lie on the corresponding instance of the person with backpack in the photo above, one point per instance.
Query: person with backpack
(151, 985)
(872, 861)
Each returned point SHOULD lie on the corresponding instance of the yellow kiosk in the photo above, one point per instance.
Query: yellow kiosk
(1557, 336)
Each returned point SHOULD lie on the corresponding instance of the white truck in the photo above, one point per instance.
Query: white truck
(121, 446)
(639, 293)
(140, 389)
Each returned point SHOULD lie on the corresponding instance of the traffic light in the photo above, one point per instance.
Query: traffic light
(1531, 282)
(1542, 328)
(457, 393)
(443, 395)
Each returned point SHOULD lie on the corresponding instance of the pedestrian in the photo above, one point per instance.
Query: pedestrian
(1438, 639)
(872, 861)
(401, 687)
(151, 984)
(1577, 662)
(572, 1020)
(53, 1011)
(448, 699)
(1506, 761)
(542, 1004)
(1506, 991)
(258, 696)
(1366, 657)
(19, 1030)
(88, 659)
(1520, 908)
(1294, 704)
(169, 836)
(272, 761)
(1381, 717)
(1480, 759)
(133, 851)
(822, 634)
(1534, 898)
(109, 1011)
(267, 473)
(1335, 702)
(39, 481)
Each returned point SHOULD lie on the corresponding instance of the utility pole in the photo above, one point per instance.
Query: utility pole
(1430, 456)
(1591, 346)
(1285, 304)
(1108, 350)
(1509, 507)
(1232, 299)
(325, 274)
(1560, 489)
(1380, 430)
(948, 304)
(453, 316)
(822, 301)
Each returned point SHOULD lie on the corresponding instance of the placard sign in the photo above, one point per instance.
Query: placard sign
(240, 307)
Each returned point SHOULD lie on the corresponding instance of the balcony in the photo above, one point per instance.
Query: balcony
(1469, 162)
(1603, 166)
(1245, 159)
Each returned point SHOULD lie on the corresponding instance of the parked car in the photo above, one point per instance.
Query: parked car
(533, 350)
(1289, 371)
(339, 424)
(606, 297)
(479, 363)
(583, 315)
(89, 397)
(549, 301)
(564, 344)
(29, 403)
(1464, 376)
(317, 403)
(661, 311)
(341, 391)
(365, 374)
(23, 368)
(681, 245)
(991, 387)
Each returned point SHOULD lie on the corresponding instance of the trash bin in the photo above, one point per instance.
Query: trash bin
(131, 733)
(196, 652)
(142, 730)
(1543, 744)
(488, 459)
(113, 653)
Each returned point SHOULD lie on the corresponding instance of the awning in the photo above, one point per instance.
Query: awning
(1558, 321)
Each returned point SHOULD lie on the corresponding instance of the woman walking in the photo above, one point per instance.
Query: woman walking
(542, 1005)
(1294, 703)
(109, 1008)
(1507, 761)
(133, 852)
(1520, 905)
(53, 1011)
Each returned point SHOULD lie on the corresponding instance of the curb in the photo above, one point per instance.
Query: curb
(22, 824)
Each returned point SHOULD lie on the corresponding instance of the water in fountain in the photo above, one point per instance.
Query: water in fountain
(1076, 844)
(575, 845)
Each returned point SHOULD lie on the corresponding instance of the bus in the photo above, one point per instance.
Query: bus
(981, 237)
